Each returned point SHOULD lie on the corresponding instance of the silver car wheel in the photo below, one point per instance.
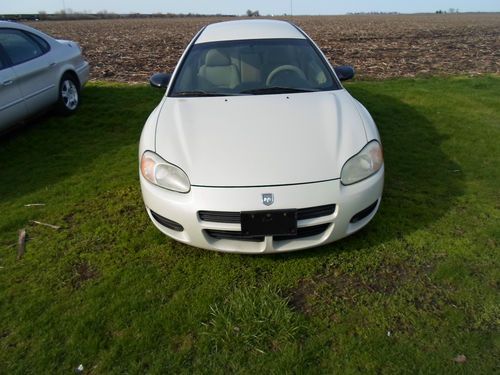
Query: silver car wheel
(69, 94)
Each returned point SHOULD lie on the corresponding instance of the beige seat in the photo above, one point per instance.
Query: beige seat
(219, 71)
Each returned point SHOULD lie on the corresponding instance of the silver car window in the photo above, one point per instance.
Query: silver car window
(18, 46)
(42, 42)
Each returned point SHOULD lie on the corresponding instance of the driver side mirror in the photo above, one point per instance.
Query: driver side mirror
(344, 72)
(160, 80)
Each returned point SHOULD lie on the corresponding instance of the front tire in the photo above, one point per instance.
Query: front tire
(69, 95)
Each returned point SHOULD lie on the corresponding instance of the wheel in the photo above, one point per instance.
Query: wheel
(69, 95)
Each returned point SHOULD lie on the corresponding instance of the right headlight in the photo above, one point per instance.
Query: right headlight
(162, 173)
(362, 165)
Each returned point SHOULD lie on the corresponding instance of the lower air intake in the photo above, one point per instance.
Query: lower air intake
(364, 213)
(167, 222)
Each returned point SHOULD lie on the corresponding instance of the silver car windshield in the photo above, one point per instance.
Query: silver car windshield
(252, 67)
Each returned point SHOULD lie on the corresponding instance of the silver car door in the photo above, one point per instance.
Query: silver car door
(32, 62)
(12, 107)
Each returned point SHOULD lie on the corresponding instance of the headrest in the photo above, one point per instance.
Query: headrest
(216, 58)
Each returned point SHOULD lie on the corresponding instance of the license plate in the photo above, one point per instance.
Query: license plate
(268, 223)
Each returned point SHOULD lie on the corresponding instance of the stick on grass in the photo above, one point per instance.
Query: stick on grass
(21, 242)
(46, 225)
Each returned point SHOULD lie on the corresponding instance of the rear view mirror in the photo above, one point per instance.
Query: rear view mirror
(344, 72)
(160, 80)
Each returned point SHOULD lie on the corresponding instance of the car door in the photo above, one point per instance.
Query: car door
(33, 66)
(12, 106)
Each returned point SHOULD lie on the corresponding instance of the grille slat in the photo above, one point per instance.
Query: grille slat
(235, 217)
(220, 216)
(232, 235)
(314, 212)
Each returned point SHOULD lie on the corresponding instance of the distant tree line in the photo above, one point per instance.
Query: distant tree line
(369, 13)
(451, 10)
(69, 14)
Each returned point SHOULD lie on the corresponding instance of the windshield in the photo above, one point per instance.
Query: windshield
(252, 67)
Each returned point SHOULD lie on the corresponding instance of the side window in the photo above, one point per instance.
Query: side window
(2, 62)
(18, 46)
(42, 42)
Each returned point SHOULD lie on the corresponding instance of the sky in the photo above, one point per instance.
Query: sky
(239, 7)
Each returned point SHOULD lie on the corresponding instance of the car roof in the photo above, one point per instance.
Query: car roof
(18, 26)
(249, 29)
(11, 24)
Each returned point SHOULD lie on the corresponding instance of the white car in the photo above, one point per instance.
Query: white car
(36, 72)
(256, 146)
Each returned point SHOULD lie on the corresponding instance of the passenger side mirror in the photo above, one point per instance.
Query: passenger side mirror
(160, 80)
(344, 72)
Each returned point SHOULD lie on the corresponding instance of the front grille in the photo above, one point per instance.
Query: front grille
(232, 235)
(237, 235)
(167, 222)
(220, 216)
(303, 232)
(313, 212)
(235, 217)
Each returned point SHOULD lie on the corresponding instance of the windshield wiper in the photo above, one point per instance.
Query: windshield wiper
(275, 90)
(198, 93)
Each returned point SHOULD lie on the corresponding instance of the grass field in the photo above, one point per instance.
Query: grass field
(415, 289)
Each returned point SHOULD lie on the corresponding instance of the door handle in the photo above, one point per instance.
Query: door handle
(52, 64)
(8, 82)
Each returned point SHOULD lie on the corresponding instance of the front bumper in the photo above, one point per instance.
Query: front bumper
(183, 209)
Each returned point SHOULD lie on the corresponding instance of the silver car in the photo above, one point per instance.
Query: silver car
(37, 72)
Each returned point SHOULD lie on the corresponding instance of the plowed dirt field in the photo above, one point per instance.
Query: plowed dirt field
(378, 46)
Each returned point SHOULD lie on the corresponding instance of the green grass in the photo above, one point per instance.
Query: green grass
(109, 291)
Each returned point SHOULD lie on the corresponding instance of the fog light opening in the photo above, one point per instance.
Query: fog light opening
(364, 213)
(170, 224)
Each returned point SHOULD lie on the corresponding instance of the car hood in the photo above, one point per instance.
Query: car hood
(260, 140)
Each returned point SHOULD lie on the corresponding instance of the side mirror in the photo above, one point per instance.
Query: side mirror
(160, 80)
(344, 72)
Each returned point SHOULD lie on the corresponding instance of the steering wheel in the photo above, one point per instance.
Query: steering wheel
(284, 68)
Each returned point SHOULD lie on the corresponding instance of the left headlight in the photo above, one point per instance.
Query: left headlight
(162, 173)
(362, 165)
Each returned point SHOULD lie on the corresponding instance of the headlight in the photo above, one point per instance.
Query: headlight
(161, 173)
(362, 165)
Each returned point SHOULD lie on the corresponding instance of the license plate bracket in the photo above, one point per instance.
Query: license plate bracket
(269, 223)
